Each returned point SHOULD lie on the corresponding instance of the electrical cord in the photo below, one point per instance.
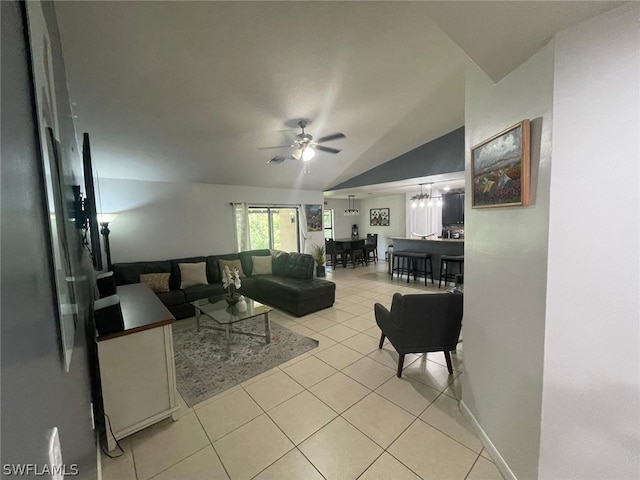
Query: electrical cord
(114, 437)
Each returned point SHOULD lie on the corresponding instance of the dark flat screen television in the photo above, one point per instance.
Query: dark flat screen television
(90, 205)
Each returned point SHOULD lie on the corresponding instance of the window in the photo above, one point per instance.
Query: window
(274, 227)
(328, 223)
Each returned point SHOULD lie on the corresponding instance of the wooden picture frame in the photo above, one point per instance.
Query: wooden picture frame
(379, 217)
(500, 169)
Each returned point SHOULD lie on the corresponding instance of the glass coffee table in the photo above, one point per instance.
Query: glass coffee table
(225, 317)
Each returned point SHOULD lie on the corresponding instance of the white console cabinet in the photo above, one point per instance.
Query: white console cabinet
(137, 368)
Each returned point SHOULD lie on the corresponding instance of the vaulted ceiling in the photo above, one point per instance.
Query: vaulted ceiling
(189, 91)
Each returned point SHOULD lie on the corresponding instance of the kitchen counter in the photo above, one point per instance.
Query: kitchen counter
(430, 239)
(433, 245)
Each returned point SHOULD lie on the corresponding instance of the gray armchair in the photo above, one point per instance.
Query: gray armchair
(429, 322)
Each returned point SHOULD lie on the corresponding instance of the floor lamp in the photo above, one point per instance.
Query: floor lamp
(104, 219)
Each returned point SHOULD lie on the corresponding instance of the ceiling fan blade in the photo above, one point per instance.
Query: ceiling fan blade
(327, 149)
(277, 146)
(328, 138)
(278, 159)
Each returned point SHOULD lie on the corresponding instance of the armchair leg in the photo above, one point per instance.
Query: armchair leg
(447, 357)
(400, 364)
(381, 340)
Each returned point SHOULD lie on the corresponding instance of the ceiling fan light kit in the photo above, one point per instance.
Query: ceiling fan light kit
(304, 148)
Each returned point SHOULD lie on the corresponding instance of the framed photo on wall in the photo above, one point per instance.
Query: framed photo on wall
(500, 169)
(379, 217)
(313, 214)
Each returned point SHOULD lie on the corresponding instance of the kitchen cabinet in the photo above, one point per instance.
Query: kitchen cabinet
(453, 209)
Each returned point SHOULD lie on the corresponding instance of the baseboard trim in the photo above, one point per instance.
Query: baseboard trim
(488, 444)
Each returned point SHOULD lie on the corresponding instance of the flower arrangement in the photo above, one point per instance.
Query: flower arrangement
(231, 281)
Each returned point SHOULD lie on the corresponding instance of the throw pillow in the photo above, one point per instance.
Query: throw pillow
(231, 264)
(193, 274)
(262, 265)
(158, 282)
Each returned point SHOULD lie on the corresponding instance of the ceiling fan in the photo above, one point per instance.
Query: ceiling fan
(304, 147)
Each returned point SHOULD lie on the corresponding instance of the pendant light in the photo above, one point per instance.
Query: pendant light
(351, 211)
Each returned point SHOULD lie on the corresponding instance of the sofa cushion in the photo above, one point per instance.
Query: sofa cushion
(232, 264)
(279, 261)
(246, 258)
(128, 273)
(193, 274)
(203, 291)
(299, 265)
(158, 282)
(176, 278)
(262, 265)
(300, 288)
(172, 297)
(213, 267)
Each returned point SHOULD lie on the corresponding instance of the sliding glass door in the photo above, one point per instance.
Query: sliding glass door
(274, 227)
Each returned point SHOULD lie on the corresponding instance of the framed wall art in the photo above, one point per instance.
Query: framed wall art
(379, 217)
(500, 169)
(313, 213)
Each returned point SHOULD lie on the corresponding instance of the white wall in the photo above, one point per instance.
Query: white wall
(591, 400)
(160, 221)
(506, 269)
(397, 218)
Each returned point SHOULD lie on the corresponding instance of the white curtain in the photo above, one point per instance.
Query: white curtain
(302, 227)
(426, 220)
(240, 212)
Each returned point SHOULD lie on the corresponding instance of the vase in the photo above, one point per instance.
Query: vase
(242, 305)
(232, 298)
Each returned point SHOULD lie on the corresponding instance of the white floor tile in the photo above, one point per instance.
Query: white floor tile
(431, 454)
(445, 415)
(339, 332)
(166, 443)
(228, 413)
(121, 467)
(293, 466)
(301, 416)
(407, 393)
(362, 343)
(359, 323)
(273, 390)
(369, 372)
(386, 468)
(339, 356)
(430, 373)
(309, 371)
(339, 391)
(340, 451)
(484, 470)
(247, 451)
(379, 419)
(202, 465)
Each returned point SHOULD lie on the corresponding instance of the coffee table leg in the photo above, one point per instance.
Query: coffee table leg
(197, 319)
(227, 337)
(267, 328)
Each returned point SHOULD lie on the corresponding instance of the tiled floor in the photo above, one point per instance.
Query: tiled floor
(336, 412)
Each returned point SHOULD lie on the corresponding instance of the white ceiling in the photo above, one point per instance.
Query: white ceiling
(188, 91)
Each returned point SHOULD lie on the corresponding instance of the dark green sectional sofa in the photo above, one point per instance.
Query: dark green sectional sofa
(291, 287)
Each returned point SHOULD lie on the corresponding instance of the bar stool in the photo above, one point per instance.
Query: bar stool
(445, 268)
(400, 264)
(410, 262)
